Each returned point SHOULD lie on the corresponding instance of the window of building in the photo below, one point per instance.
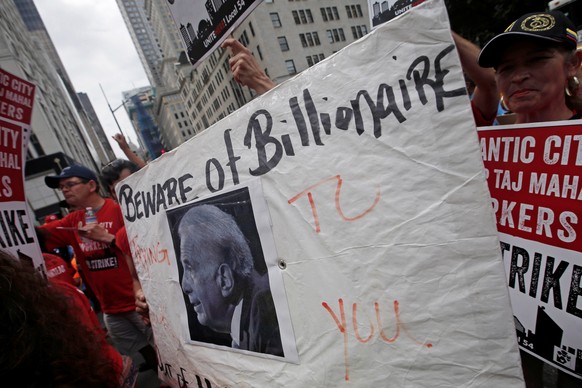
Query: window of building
(244, 38)
(296, 17)
(260, 52)
(302, 16)
(359, 31)
(290, 66)
(316, 38)
(309, 39)
(329, 13)
(275, 19)
(354, 11)
(313, 59)
(336, 35)
(283, 43)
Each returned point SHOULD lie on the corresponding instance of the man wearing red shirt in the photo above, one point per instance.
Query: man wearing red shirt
(103, 265)
(58, 269)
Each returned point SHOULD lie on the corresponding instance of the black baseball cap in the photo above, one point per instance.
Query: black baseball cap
(78, 171)
(551, 26)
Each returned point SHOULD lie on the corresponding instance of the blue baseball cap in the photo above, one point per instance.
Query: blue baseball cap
(78, 171)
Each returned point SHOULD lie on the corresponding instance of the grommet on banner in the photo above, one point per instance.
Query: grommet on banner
(282, 264)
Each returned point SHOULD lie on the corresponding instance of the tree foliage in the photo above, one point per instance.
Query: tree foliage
(480, 20)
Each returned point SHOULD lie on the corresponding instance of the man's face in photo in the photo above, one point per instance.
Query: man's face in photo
(201, 284)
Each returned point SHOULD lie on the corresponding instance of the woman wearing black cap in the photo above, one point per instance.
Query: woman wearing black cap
(536, 64)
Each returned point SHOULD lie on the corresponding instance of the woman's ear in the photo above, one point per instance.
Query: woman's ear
(573, 64)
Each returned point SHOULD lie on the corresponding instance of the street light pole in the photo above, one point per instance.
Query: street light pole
(113, 111)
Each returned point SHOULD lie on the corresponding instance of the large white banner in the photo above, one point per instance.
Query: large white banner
(369, 254)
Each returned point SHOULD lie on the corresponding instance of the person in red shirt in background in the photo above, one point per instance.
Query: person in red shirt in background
(50, 336)
(103, 265)
(58, 269)
(112, 174)
(66, 255)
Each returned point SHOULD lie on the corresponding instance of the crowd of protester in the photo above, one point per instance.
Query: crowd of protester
(49, 329)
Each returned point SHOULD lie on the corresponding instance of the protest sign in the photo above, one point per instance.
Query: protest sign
(359, 188)
(204, 25)
(383, 11)
(534, 178)
(17, 234)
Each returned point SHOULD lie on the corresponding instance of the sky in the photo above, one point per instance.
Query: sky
(95, 48)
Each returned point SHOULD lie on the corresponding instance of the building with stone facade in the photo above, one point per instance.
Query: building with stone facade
(286, 37)
(59, 136)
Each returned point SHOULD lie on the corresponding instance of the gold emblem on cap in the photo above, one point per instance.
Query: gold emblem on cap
(539, 22)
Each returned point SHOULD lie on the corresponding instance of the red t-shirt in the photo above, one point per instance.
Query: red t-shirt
(103, 267)
(122, 242)
(81, 309)
(58, 269)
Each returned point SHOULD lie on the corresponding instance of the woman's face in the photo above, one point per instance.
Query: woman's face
(532, 77)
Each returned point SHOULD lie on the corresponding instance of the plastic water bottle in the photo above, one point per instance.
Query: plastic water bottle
(90, 217)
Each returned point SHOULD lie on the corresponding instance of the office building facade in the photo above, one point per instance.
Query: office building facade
(286, 37)
(58, 136)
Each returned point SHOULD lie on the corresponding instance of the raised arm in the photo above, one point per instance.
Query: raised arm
(246, 69)
(486, 96)
(131, 156)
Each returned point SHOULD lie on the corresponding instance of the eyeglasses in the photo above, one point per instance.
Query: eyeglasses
(70, 185)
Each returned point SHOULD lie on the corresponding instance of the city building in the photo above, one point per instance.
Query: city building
(286, 37)
(58, 136)
(146, 43)
(89, 126)
(153, 19)
(139, 104)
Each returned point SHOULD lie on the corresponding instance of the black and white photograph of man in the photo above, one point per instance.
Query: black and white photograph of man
(223, 275)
